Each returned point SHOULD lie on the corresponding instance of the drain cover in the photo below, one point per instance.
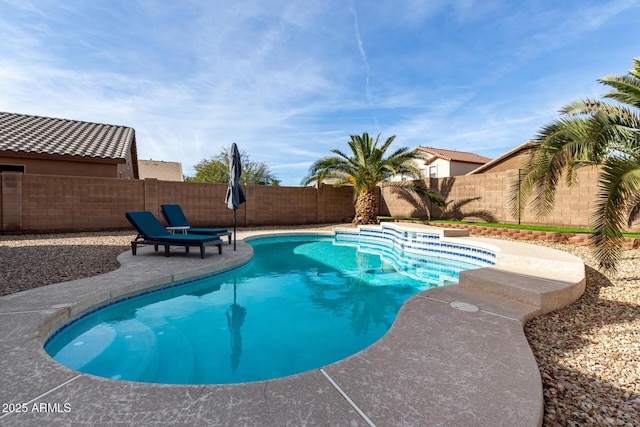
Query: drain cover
(463, 306)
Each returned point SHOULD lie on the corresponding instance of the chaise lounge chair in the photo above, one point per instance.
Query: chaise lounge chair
(152, 232)
(175, 217)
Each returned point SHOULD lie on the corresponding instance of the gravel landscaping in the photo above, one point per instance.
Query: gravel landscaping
(588, 352)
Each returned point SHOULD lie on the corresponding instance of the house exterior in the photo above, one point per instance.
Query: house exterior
(512, 159)
(441, 163)
(160, 170)
(51, 146)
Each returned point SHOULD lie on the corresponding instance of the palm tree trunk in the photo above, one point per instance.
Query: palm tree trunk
(366, 208)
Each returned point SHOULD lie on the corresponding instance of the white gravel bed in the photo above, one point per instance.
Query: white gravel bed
(588, 352)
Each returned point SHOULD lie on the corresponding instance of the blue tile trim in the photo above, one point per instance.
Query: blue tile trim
(419, 243)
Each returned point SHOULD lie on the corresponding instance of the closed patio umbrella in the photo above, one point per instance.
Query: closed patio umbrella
(235, 195)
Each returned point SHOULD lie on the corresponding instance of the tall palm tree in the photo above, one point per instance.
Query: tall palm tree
(364, 168)
(592, 132)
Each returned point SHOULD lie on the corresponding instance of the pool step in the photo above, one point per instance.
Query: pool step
(546, 294)
(133, 339)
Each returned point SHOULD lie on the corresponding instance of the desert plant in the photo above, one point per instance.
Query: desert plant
(366, 167)
(592, 132)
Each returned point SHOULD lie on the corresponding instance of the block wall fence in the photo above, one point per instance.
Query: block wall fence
(46, 203)
(486, 197)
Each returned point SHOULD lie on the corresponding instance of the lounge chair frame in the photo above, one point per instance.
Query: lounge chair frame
(174, 216)
(139, 240)
(169, 240)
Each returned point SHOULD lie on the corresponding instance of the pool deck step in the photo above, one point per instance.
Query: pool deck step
(545, 294)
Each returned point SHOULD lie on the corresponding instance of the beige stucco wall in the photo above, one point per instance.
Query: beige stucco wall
(459, 168)
(68, 167)
(517, 161)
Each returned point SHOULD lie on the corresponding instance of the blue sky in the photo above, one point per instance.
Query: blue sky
(289, 80)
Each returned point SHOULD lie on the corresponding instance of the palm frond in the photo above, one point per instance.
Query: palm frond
(626, 89)
(591, 132)
(634, 212)
(569, 143)
(619, 188)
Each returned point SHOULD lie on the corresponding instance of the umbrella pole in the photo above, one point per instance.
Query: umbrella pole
(234, 229)
(234, 290)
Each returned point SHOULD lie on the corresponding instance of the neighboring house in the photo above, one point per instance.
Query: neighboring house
(49, 146)
(512, 159)
(160, 170)
(441, 163)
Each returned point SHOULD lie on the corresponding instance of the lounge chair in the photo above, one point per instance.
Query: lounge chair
(176, 219)
(152, 232)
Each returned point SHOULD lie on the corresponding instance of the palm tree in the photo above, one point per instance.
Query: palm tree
(364, 169)
(592, 132)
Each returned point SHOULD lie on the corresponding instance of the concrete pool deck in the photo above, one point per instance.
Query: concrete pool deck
(455, 356)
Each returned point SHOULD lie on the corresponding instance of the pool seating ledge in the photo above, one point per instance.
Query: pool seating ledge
(455, 355)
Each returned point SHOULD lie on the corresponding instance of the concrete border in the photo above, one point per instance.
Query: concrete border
(455, 356)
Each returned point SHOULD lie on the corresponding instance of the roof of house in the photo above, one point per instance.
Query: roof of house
(514, 151)
(454, 155)
(46, 135)
(164, 171)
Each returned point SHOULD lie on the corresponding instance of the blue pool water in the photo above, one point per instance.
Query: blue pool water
(301, 303)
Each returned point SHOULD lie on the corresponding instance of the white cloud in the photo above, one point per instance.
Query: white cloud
(288, 81)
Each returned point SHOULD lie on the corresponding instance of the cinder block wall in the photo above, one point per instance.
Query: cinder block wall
(203, 204)
(273, 203)
(486, 196)
(335, 204)
(44, 203)
(63, 203)
(11, 198)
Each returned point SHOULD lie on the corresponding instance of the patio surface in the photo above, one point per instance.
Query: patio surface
(455, 356)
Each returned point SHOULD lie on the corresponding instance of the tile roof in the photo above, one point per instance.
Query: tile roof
(163, 171)
(45, 135)
(455, 156)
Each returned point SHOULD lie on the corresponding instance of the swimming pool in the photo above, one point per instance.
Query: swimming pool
(301, 303)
